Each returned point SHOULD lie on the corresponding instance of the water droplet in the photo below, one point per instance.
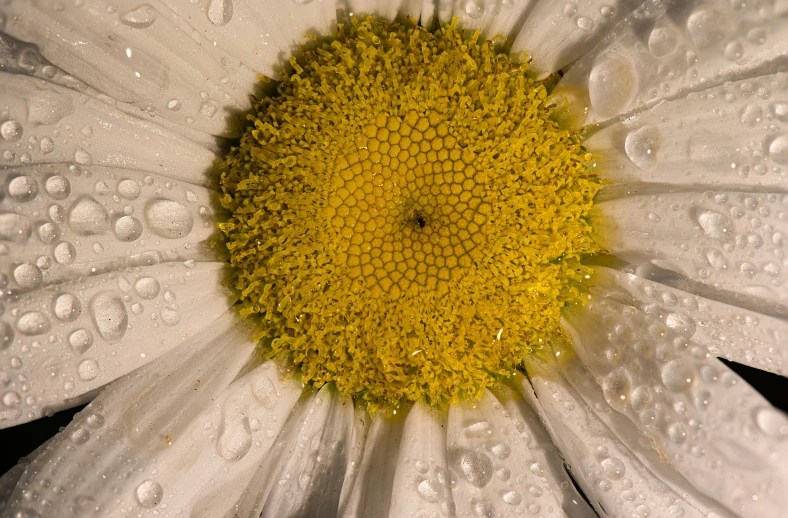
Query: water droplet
(585, 24)
(47, 145)
(778, 150)
(780, 111)
(58, 187)
(174, 105)
(484, 509)
(422, 466)
(32, 323)
(430, 491)
(80, 340)
(716, 259)
(147, 287)
(772, 423)
(149, 494)
(65, 253)
(82, 157)
(168, 218)
(88, 217)
(11, 130)
(28, 276)
(681, 323)
(88, 370)
(474, 10)
(22, 188)
(612, 85)
(67, 307)
(477, 468)
(11, 399)
(733, 51)
(705, 27)
(501, 450)
(616, 388)
(127, 228)
(48, 233)
(208, 109)
(263, 390)
(642, 146)
(170, 317)
(677, 432)
(512, 498)
(662, 41)
(677, 376)
(129, 189)
(715, 225)
(478, 429)
(235, 439)
(109, 315)
(140, 18)
(613, 468)
(80, 436)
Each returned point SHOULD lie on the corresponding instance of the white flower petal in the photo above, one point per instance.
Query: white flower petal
(212, 465)
(63, 222)
(422, 482)
(713, 428)
(496, 19)
(730, 136)
(11, 477)
(120, 434)
(734, 333)
(729, 241)
(308, 477)
(263, 35)
(519, 400)
(610, 474)
(370, 495)
(140, 55)
(46, 123)
(557, 33)
(666, 49)
(495, 471)
(361, 424)
(67, 340)
(387, 9)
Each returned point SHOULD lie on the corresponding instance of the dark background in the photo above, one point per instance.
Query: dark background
(20, 440)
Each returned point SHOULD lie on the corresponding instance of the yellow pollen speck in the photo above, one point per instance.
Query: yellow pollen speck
(407, 219)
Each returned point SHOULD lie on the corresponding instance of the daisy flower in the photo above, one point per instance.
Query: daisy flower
(394, 258)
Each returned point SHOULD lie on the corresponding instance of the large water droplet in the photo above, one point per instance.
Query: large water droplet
(613, 468)
(22, 188)
(715, 225)
(149, 494)
(616, 388)
(64, 253)
(478, 429)
(32, 323)
(430, 491)
(127, 228)
(129, 189)
(235, 439)
(477, 468)
(705, 27)
(147, 287)
(88, 370)
(681, 323)
(28, 276)
(109, 315)
(67, 307)
(642, 146)
(168, 218)
(11, 130)
(80, 340)
(140, 18)
(220, 12)
(677, 376)
(12, 399)
(772, 423)
(88, 217)
(612, 85)
(662, 41)
(778, 150)
(484, 509)
(48, 233)
(512, 498)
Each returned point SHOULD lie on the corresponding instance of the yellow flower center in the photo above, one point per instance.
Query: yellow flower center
(407, 220)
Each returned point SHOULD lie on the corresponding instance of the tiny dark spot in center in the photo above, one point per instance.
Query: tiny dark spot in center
(420, 221)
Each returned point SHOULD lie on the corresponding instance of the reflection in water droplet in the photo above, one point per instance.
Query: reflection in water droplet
(149, 494)
(109, 315)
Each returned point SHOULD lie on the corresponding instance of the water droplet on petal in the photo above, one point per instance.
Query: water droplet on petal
(677, 376)
(80, 340)
(168, 218)
(109, 315)
(612, 85)
(613, 468)
(58, 187)
(512, 498)
(220, 12)
(147, 287)
(141, 17)
(32, 323)
(22, 188)
(715, 225)
(642, 146)
(477, 468)
(772, 423)
(149, 494)
(88, 217)
(67, 307)
(88, 370)
(430, 491)
(11, 130)
(127, 228)
(778, 150)
(28, 276)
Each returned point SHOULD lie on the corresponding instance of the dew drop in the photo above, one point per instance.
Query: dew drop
(88, 217)
(47, 145)
(512, 498)
(109, 315)
(22, 188)
(88, 370)
(80, 436)
(235, 439)
(677, 432)
(478, 429)
(170, 317)
(677, 376)
(58, 187)
(11, 130)
(32, 323)
(772, 423)
(501, 450)
(140, 18)
(28, 276)
(484, 509)
(64, 253)
(430, 491)
(147, 287)
(129, 189)
(715, 225)
(82, 157)
(127, 228)
(616, 388)
(780, 111)
(80, 340)
(778, 150)
(149, 494)
(474, 10)
(662, 41)
(12, 399)
(174, 105)
(612, 84)
(264, 391)
(642, 146)
(585, 24)
(48, 233)
(67, 307)
(477, 468)
(169, 219)
(613, 468)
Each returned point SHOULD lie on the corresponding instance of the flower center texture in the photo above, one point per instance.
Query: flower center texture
(407, 220)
